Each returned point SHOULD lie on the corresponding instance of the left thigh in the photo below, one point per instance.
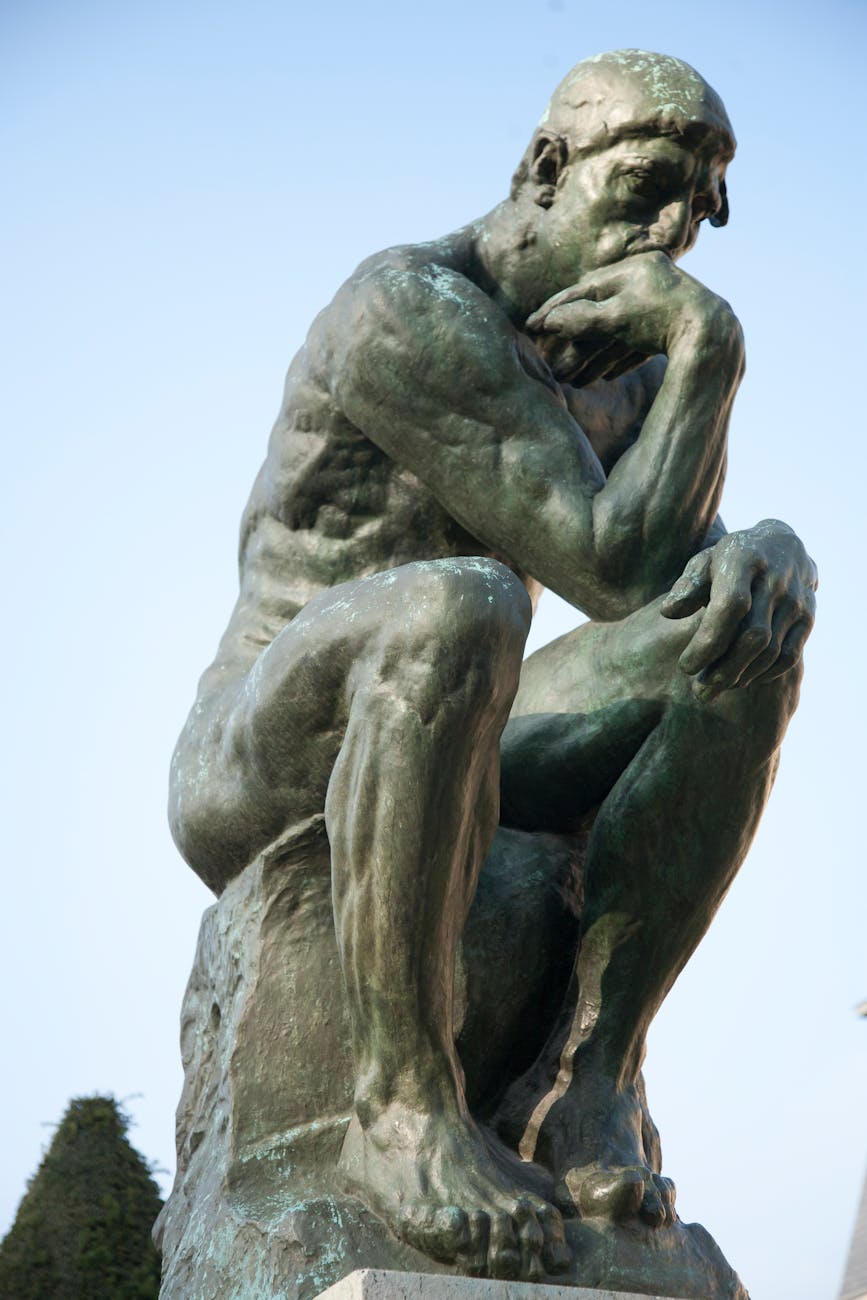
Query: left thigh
(586, 704)
(603, 664)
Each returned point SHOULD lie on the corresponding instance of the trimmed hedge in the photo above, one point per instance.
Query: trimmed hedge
(83, 1229)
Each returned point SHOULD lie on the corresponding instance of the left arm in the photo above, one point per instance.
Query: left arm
(757, 586)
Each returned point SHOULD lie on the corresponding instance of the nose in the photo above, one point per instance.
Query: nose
(672, 225)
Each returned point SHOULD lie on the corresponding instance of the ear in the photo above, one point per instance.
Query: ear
(721, 218)
(548, 159)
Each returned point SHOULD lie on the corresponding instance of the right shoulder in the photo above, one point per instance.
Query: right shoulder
(412, 308)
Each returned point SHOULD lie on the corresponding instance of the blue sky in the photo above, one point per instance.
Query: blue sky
(186, 185)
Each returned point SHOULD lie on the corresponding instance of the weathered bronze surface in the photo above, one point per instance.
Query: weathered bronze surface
(456, 888)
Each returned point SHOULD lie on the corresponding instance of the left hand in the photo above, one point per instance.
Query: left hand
(758, 589)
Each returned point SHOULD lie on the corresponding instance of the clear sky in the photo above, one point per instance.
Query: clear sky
(186, 184)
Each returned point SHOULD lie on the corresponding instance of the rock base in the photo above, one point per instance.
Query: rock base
(268, 1087)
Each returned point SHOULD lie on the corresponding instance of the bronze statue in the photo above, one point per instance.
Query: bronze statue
(540, 399)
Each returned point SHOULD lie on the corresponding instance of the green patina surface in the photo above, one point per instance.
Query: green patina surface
(455, 887)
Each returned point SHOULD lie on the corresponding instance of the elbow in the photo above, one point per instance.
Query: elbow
(616, 544)
(629, 572)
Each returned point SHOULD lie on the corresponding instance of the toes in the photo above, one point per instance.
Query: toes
(498, 1244)
(556, 1255)
(652, 1208)
(565, 1197)
(620, 1194)
(504, 1254)
(441, 1233)
(475, 1259)
(531, 1240)
(610, 1194)
(668, 1193)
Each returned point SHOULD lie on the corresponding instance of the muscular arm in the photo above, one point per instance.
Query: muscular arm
(613, 414)
(428, 367)
(756, 587)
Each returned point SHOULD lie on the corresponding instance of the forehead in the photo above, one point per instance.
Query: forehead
(610, 98)
(676, 153)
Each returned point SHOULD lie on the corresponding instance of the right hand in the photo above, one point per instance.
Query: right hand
(757, 587)
(616, 317)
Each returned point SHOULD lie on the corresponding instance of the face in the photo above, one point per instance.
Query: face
(631, 197)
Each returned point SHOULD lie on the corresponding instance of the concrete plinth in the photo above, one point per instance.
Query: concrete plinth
(384, 1284)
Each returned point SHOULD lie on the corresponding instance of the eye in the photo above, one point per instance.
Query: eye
(642, 181)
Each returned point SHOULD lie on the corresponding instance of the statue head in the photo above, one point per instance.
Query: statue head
(634, 140)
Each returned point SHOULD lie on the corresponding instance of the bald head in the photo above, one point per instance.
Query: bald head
(622, 93)
(626, 93)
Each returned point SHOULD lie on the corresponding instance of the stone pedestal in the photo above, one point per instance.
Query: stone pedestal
(380, 1284)
(256, 1209)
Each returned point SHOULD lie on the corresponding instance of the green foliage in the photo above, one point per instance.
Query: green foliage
(83, 1229)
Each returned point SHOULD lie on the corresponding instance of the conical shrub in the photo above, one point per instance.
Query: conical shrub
(83, 1229)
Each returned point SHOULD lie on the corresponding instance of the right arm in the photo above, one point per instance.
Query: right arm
(427, 367)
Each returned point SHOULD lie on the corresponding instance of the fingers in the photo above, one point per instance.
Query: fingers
(770, 642)
(601, 365)
(631, 361)
(592, 288)
(568, 358)
(790, 652)
(653, 271)
(580, 361)
(751, 643)
(692, 589)
(730, 601)
(576, 319)
(760, 591)
(779, 625)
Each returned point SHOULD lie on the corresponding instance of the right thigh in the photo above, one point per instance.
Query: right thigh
(256, 755)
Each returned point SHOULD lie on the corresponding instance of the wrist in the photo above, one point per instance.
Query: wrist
(708, 335)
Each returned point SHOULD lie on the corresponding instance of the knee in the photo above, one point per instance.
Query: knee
(459, 623)
(766, 704)
(466, 602)
(756, 716)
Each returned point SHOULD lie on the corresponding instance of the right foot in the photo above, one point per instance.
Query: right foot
(434, 1182)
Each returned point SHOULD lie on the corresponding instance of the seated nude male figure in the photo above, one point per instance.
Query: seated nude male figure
(540, 399)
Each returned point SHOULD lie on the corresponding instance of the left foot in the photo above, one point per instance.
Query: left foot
(617, 1193)
(593, 1141)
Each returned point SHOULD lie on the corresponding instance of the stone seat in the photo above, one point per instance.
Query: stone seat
(268, 1080)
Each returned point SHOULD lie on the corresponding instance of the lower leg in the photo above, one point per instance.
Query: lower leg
(666, 845)
(411, 810)
(411, 807)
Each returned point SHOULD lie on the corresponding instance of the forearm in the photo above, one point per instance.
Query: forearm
(659, 503)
